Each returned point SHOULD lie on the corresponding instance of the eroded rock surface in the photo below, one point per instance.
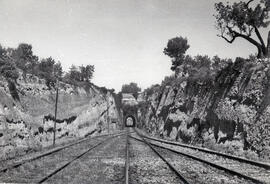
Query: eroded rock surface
(230, 113)
(26, 122)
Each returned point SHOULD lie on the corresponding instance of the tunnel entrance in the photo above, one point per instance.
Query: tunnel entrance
(129, 110)
(130, 121)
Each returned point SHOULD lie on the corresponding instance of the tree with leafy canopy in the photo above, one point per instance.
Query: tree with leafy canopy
(45, 67)
(79, 75)
(9, 71)
(2, 52)
(50, 71)
(218, 64)
(152, 89)
(243, 20)
(7, 67)
(24, 58)
(131, 88)
(58, 70)
(74, 73)
(176, 49)
(87, 72)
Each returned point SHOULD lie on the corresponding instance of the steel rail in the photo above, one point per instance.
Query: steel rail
(127, 159)
(240, 159)
(207, 162)
(55, 150)
(161, 157)
(74, 159)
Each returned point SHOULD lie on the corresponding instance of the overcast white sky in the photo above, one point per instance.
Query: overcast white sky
(124, 39)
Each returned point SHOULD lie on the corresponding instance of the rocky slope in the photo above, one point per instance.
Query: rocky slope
(230, 113)
(27, 117)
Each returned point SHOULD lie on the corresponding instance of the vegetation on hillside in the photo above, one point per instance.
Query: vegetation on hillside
(241, 19)
(200, 68)
(131, 88)
(204, 93)
(22, 58)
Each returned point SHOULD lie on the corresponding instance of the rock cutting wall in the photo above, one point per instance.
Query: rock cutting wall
(230, 113)
(26, 122)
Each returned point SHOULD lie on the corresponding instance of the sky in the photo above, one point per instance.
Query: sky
(124, 39)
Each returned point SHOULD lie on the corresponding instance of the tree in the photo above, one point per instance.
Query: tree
(7, 67)
(242, 20)
(87, 72)
(46, 66)
(176, 49)
(57, 70)
(73, 76)
(32, 67)
(152, 89)
(46, 71)
(218, 64)
(74, 73)
(202, 61)
(167, 81)
(79, 75)
(2, 52)
(131, 88)
(9, 71)
(24, 58)
(82, 72)
(201, 70)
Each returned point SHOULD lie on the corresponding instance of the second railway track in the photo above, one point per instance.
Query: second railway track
(6, 165)
(44, 166)
(250, 173)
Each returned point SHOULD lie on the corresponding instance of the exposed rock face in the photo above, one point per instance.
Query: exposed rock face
(231, 111)
(27, 123)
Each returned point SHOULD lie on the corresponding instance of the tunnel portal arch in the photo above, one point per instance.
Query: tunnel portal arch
(130, 121)
(129, 110)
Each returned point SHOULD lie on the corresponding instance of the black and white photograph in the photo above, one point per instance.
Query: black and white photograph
(135, 91)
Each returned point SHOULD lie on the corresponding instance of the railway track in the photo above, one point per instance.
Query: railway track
(179, 175)
(117, 159)
(54, 172)
(42, 167)
(128, 175)
(240, 159)
(147, 166)
(127, 159)
(245, 169)
(103, 164)
(14, 163)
